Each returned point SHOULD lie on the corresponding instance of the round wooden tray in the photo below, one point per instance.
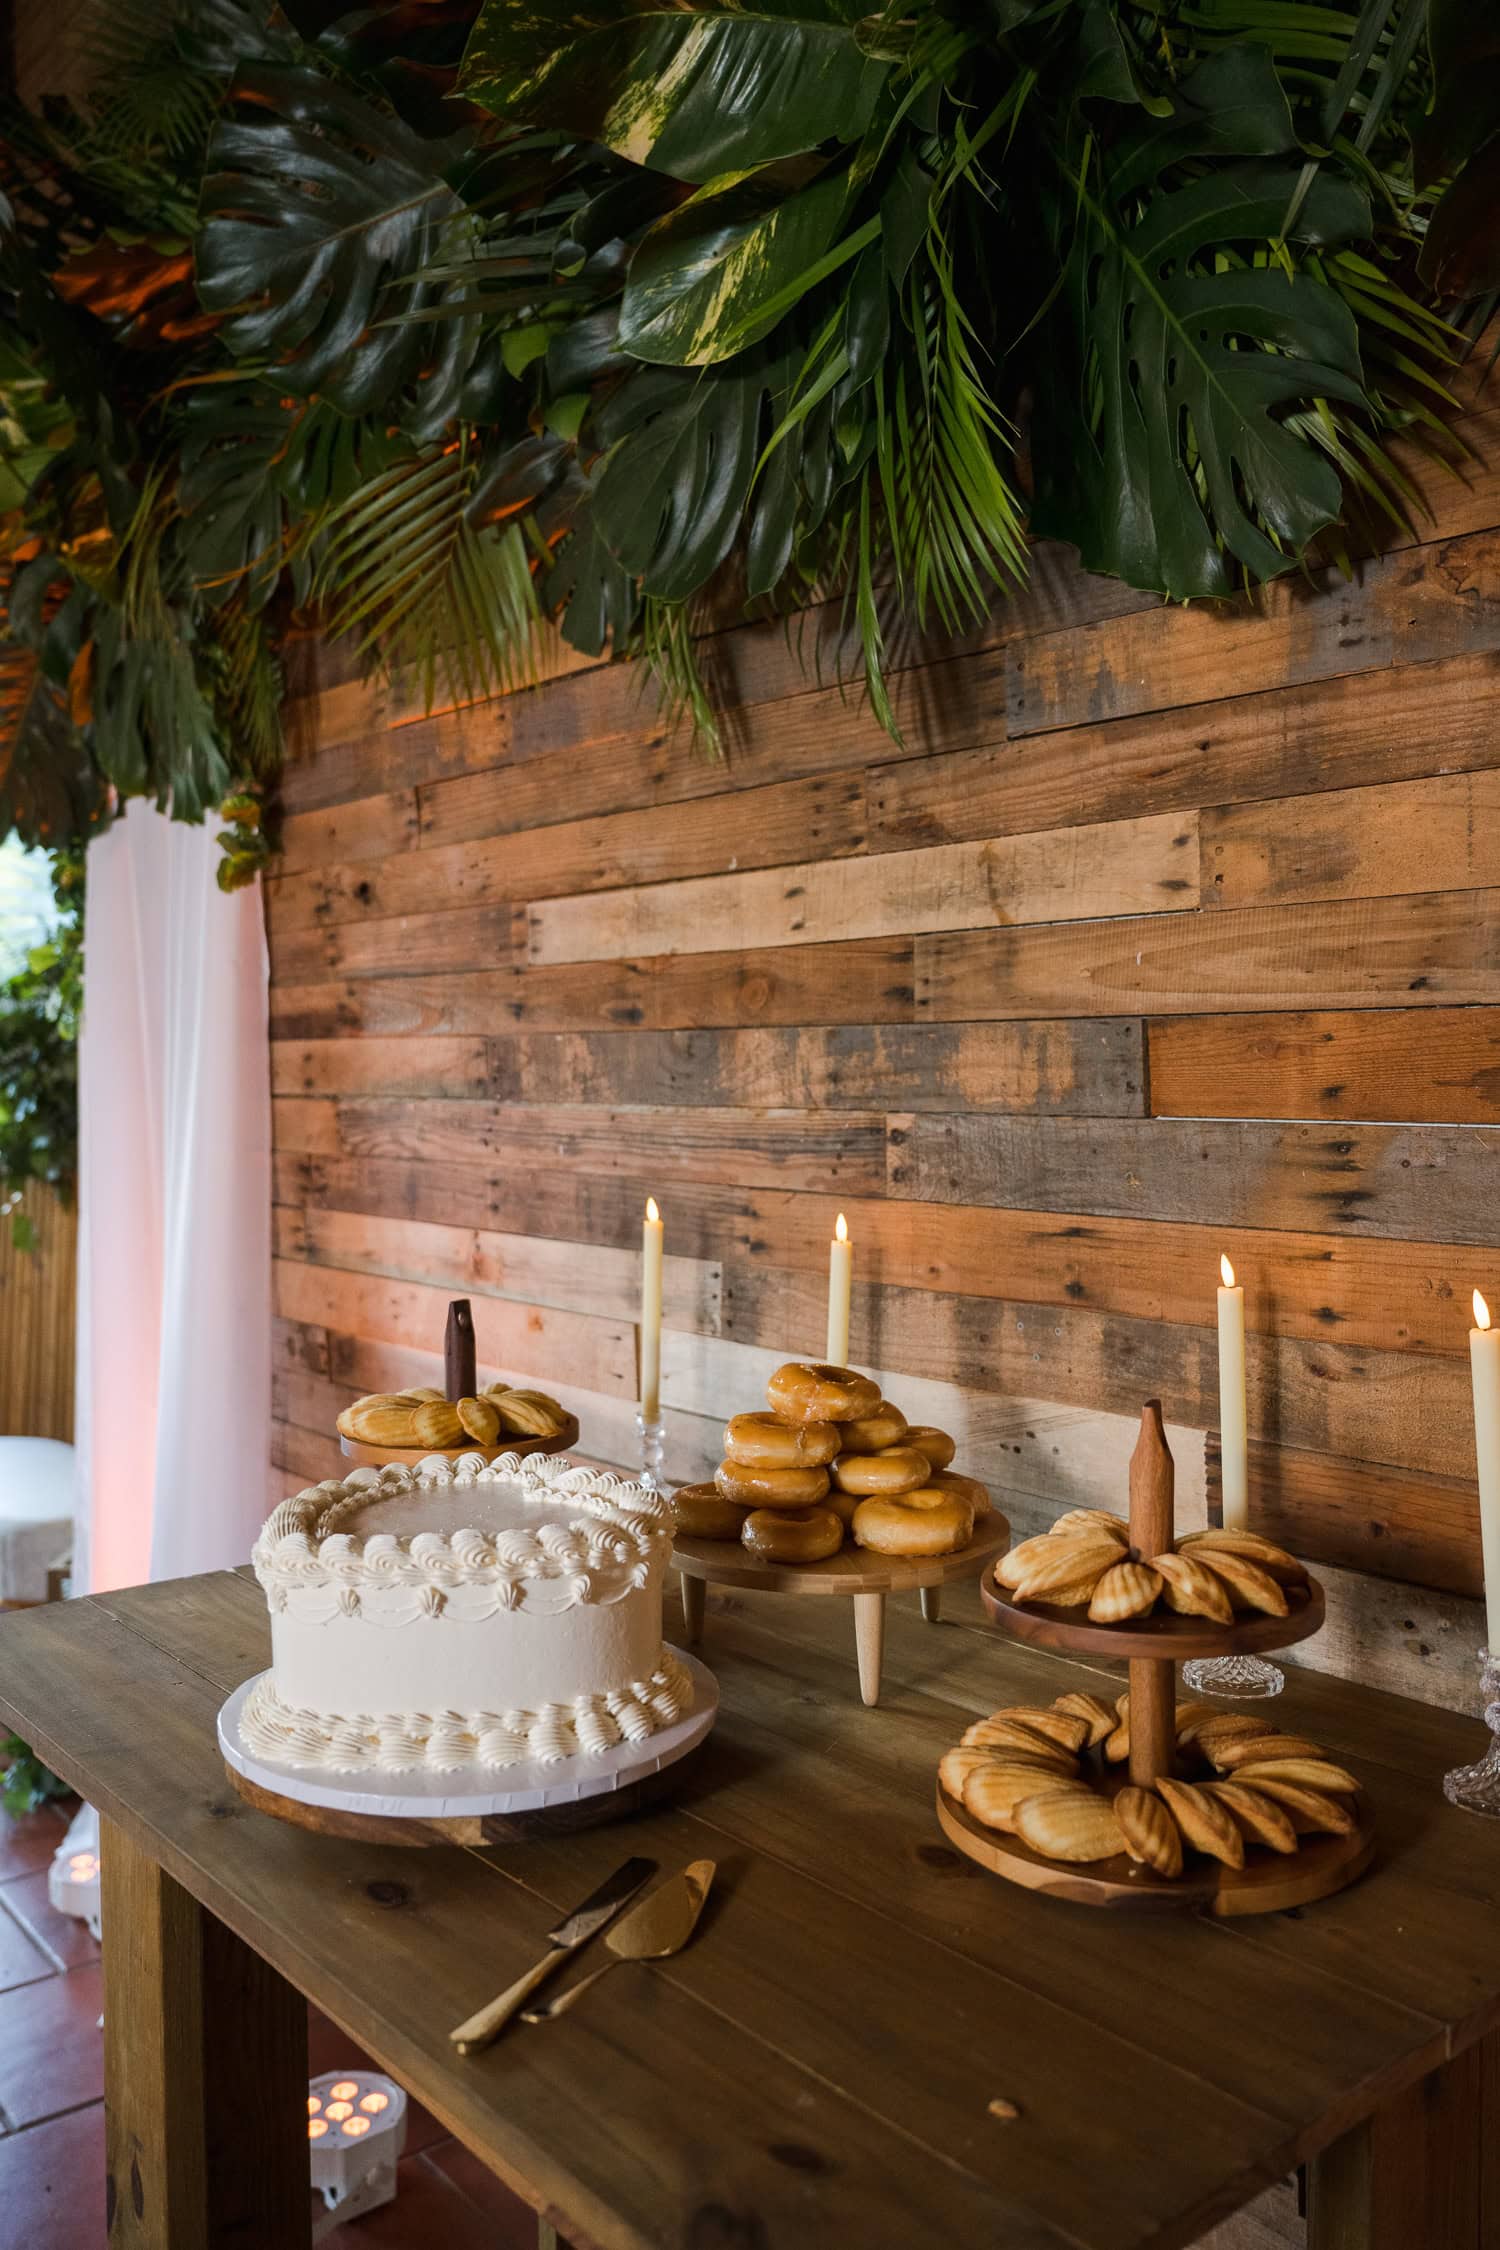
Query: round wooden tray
(1269, 1882)
(854, 1572)
(407, 1456)
(1164, 1635)
(536, 1801)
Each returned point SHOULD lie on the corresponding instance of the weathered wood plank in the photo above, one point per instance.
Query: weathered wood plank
(1285, 742)
(1398, 1407)
(1428, 949)
(1404, 1640)
(397, 944)
(524, 1268)
(1429, 1183)
(530, 1340)
(1121, 867)
(834, 1151)
(1412, 607)
(1409, 1525)
(441, 1067)
(1419, 1065)
(1355, 843)
(367, 828)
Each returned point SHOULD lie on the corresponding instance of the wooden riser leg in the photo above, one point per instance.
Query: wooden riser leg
(932, 1603)
(694, 1607)
(869, 1642)
(205, 2068)
(1422, 2173)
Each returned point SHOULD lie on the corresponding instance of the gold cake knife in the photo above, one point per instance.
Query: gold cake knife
(597, 1911)
(659, 1925)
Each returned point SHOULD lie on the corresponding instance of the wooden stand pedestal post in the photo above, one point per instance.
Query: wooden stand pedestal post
(1153, 1684)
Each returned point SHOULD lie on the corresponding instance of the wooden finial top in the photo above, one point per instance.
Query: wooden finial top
(458, 1351)
(1152, 1485)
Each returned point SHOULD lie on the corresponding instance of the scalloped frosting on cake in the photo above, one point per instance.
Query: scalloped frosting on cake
(464, 1614)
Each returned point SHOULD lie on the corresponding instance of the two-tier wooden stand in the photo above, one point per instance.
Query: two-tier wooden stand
(1153, 1647)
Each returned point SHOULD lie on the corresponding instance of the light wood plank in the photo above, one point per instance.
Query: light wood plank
(366, 829)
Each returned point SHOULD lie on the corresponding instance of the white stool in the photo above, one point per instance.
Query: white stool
(36, 1513)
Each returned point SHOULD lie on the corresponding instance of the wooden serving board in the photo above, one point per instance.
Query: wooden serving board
(407, 1456)
(854, 1573)
(1163, 1635)
(1269, 1882)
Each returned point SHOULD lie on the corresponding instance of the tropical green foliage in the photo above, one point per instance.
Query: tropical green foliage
(25, 1783)
(433, 320)
(39, 1010)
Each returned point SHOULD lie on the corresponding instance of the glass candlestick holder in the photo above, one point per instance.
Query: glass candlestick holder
(1246, 1679)
(653, 1436)
(1476, 1788)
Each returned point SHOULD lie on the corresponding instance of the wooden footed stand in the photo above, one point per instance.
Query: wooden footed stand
(1152, 1647)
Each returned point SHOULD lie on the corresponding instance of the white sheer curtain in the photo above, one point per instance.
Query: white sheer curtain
(174, 1271)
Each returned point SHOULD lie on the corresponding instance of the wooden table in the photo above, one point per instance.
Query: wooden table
(818, 2068)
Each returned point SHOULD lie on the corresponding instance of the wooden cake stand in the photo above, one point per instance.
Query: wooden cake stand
(864, 1578)
(407, 1456)
(1270, 1881)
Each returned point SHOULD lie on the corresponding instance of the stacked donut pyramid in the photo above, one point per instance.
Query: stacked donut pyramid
(832, 1460)
(1024, 1772)
(1086, 1560)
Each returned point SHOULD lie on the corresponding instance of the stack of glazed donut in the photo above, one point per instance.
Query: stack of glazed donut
(833, 1460)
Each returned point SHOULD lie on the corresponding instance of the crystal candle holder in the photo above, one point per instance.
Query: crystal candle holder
(1476, 1788)
(653, 1437)
(1244, 1679)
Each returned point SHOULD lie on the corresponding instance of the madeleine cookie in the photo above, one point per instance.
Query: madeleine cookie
(1149, 1830)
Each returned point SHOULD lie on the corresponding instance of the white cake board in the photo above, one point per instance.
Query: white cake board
(453, 1796)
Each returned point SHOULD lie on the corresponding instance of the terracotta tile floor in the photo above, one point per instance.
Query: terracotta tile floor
(51, 2083)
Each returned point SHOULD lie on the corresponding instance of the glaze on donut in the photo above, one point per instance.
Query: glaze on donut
(804, 1391)
(770, 1488)
(924, 1522)
(702, 1512)
(936, 1444)
(899, 1469)
(875, 1433)
(792, 1535)
(764, 1441)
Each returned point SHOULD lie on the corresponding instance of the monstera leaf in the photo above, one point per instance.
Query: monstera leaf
(51, 792)
(712, 276)
(319, 213)
(695, 89)
(668, 503)
(1197, 345)
(230, 534)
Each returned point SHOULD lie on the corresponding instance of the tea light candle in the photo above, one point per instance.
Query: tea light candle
(652, 1237)
(1233, 1442)
(1484, 1367)
(840, 1284)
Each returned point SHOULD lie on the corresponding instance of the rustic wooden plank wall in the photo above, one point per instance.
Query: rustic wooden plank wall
(1164, 933)
(37, 1308)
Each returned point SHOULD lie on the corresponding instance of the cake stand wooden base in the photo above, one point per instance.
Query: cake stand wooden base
(1268, 1883)
(447, 1808)
(861, 1577)
(407, 1456)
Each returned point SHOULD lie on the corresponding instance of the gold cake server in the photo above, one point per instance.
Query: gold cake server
(597, 1911)
(659, 1925)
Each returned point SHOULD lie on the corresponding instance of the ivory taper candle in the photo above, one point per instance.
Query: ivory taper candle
(840, 1281)
(1484, 1365)
(651, 1261)
(1233, 1448)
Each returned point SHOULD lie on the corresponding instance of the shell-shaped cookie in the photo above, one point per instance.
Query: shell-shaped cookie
(1117, 1745)
(381, 1421)
(1207, 1725)
(1069, 1563)
(1203, 1821)
(956, 1765)
(1012, 1567)
(1308, 1809)
(480, 1419)
(437, 1423)
(1250, 1587)
(1191, 1589)
(1065, 1728)
(1072, 1824)
(1011, 1734)
(1090, 1521)
(992, 1791)
(1306, 1773)
(1252, 1546)
(1189, 1717)
(1228, 1751)
(1093, 1709)
(1259, 1819)
(1150, 1832)
(1127, 1589)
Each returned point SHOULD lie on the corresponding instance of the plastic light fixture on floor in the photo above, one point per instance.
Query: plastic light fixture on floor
(356, 2130)
(73, 1876)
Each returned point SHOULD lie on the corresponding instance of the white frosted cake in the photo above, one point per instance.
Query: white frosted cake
(461, 1615)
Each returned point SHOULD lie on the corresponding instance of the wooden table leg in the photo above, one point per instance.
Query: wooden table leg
(205, 2065)
(694, 1605)
(869, 1642)
(1423, 2172)
(932, 1603)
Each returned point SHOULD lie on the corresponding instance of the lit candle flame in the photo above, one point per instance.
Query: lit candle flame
(841, 1228)
(1481, 1311)
(1227, 1272)
(651, 1210)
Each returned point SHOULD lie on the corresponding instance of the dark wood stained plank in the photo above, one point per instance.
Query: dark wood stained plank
(1420, 1065)
(1355, 843)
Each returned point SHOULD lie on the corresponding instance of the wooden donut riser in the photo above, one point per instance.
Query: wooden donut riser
(1270, 1881)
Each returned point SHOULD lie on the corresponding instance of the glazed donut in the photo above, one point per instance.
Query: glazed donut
(803, 1392)
(936, 1444)
(770, 1488)
(793, 1535)
(874, 1433)
(925, 1522)
(764, 1441)
(897, 1469)
(702, 1512)
(843, 1504)
(966, 1488)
